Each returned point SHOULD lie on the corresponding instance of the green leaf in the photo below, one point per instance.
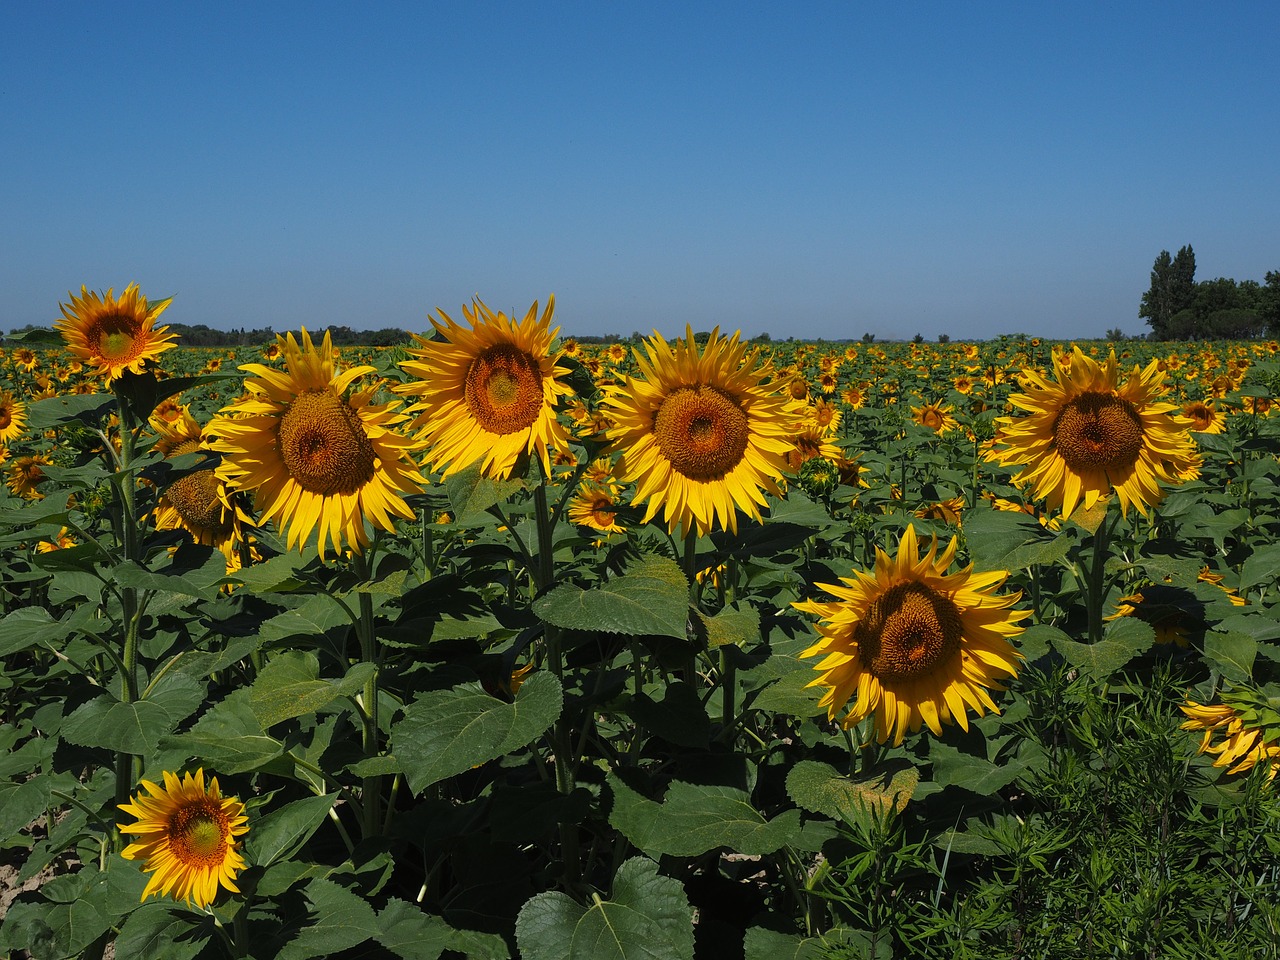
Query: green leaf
(1232, 653)
(1261, 567)
(31, 626)
(953, 767)
(338, 919)
(763, 944)
(315, 616)
(20, 803)
(1124, 640)
(135, 727)
(651, 602)
(413, 935)
(647, 918)
(694, 818)
(818, 788)
(680, 718)
(55, 411)
(160, 929)
(228, 738)
(130, 574)
(734, 625)
(282, 832)
(471, 494)
(445, 732)
(289, 686)
(990, 535)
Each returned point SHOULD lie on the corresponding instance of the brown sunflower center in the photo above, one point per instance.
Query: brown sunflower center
(1098, 431)
(503, 389)
(1201, 415)
(931, 418)
(324, 445)
(198, 834)
(603, 511)
(702, 431)
(195, 497)
(910, 630)
(6, 415)
(114, 336)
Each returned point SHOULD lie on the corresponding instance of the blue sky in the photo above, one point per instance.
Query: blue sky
(810, 170)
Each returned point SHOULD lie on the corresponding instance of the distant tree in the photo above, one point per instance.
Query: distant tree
(1115, 335)
(918, 338)
(1269, 303)
(1172, 289)
(868, 337)
(762, 338)
(944, 338)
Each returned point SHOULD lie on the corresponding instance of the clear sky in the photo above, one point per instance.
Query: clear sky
(809, 169)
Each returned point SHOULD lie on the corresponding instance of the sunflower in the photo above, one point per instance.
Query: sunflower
(488, 395)
(854, 397)
(26, 474)
(596, 508)
(935, 416)
(948, 511)
(114, 335)
(186, 837)
(1204, 417)
(809, 440)
(13, 417)
(914, 643)
(1243, 746)
(702, 433)
(199, 502)
(1087, 435)
(62, 541)
(26, 358)
(314, 455)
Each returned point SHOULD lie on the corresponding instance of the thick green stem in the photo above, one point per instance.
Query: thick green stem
(1096, 592)
(562, 732)
(128, 768)
(371, 791)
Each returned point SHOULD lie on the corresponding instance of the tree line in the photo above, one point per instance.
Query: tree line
(1179, 308)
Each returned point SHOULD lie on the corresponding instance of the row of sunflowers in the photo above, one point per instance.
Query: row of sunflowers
(619, 617)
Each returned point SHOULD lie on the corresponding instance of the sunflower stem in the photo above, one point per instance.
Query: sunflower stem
(371, 788)
(1097, 584)
(128, 768)
(562, 733)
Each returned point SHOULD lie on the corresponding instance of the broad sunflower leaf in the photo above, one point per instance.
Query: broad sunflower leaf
(679, 718)
(652, 601)
(732, 625)
(647, 918)
(134, 727)
(471, 494)
(818, 788)
(283, 831)
(159, 928)
(1124, 640)
(761, 943)
(30, 626)
(316, 615)
(228, 738)
(953, 767)
(1232, 653)
(55, 411)
(411, 934)
(1261, 567)
(290, 686)
(694, 818)
(445, 732)
(338, 919)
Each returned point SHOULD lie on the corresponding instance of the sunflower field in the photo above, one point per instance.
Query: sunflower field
(501, 645)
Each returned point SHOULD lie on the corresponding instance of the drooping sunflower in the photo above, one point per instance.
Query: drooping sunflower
(13, 417)
(314, 454)
(911, 643)
(199, 502)
(1204, 417)
(1086, 434)
(488, 394)
(700, 432)
(1243, 746)
(185, 835)
(114, 335)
